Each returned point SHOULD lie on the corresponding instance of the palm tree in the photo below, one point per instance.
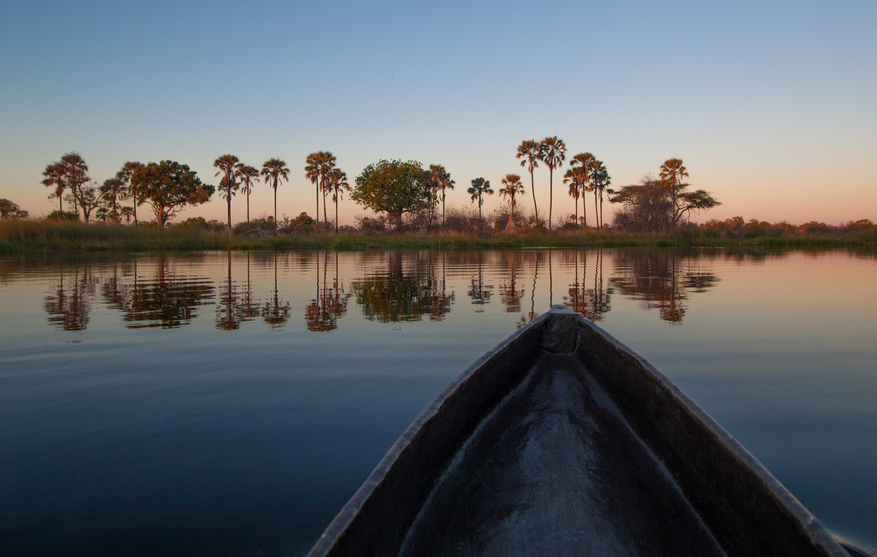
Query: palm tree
(228, 184)
(437, 178)
(114, 190)
(528, 150)
(552, 152)
(479, 188)
(600, 180)
(327, 164)
(446, 184)
(512, 187)
(274, 170)
(125, 174)
(672, 173)
(247, 176)
(584, 160)
(337, 180)
(54, 174)
(576, 177)
(316, 170)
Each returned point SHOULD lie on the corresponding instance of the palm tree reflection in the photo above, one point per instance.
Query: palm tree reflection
(590, 302)
(479, 292)
(324, 311)
(509, 293)
(276, 311)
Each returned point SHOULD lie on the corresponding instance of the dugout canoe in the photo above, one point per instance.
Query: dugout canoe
(563, 441)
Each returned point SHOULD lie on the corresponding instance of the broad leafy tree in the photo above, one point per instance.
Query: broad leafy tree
(480, 188)
(393, 187)
(247, 176)
(10, 210)
(228, 184)
(649, 206)
(529, 152)
(275, 170)
(552, 152)
(511, 188)
(168, 187)
(70, 173)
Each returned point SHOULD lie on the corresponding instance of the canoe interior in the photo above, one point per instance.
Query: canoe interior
(561, 441)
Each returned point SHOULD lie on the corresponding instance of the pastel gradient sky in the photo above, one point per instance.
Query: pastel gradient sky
(770, 104)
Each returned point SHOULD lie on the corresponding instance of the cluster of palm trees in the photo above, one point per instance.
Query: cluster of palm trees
(322, 171)
(586, 173)
(237, 176)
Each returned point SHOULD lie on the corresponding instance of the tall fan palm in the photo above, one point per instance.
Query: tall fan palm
(125, 175)
(247, 176)
(54, 176)
(316, 170)
(528, 150)
(228, 184)
(583, 161)
(337, 180)
(552, 152)
(446, 184)
(511, 187)
(576, 177)
(600, 180)
(275, 170)
(672, 173)
(113, 189)
(437, 178)
(480, 188)
(327, 164)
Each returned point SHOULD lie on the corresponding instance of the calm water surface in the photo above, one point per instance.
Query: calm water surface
(230, 404)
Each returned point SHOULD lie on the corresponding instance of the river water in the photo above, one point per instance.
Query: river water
(230, 403)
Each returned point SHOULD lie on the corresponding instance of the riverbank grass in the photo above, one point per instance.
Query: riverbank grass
(18, 236)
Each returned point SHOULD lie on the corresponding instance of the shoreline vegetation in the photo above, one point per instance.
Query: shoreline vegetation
(23, 236)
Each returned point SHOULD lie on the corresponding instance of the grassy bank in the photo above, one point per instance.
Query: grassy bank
(26, 235)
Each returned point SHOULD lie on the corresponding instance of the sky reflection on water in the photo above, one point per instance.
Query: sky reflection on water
(224, 403)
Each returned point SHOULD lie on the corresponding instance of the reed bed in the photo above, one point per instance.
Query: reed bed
(31, 235)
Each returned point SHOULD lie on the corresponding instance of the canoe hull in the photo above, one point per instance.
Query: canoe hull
(563, 441)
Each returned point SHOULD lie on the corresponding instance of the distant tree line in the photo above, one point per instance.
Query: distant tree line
(403, 194)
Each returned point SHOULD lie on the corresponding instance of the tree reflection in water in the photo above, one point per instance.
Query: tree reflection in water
(235, 307)
(590, 302)
(661, 280)
(324, 311)
(398, 295)
(167, 302)
(276, 311)
(69, 304)
(509, 293)
(479, 292)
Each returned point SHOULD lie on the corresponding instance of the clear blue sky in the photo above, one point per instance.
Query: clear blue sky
(770, 104)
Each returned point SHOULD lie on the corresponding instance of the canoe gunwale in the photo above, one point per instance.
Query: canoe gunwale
(350, 514)
(798, 515)
(373, 520)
